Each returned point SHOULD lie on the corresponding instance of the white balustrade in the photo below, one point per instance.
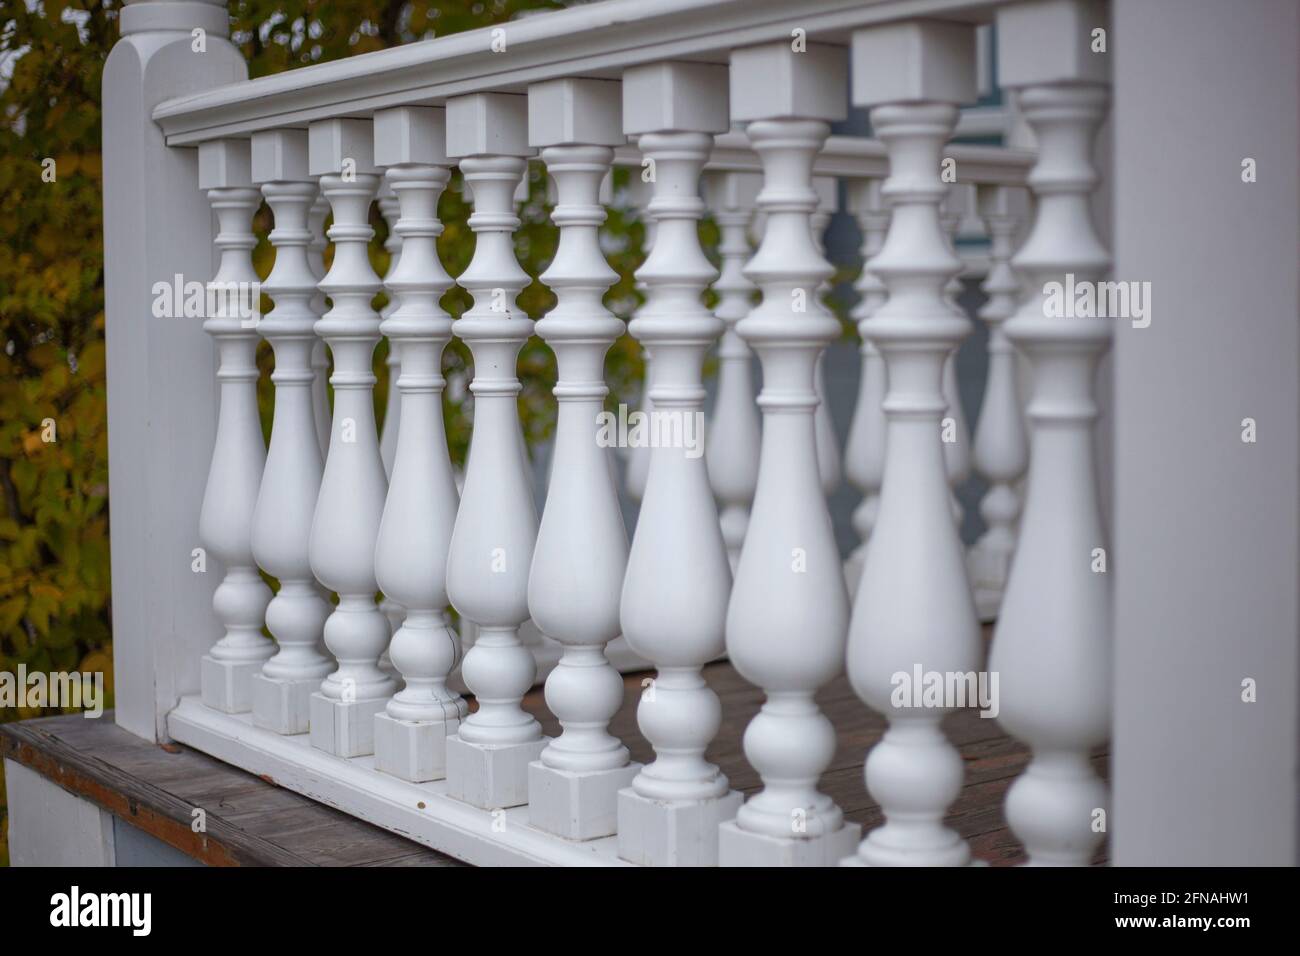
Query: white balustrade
(913, 608)
(581, 553)
(673, 611)
(1000, 455)
(864, 453)
(291, 479)
(829, 464)
(351, 502)
(320, 361)
(1051, 647)
(496, 527)
(420, 509)
(230, 496)
(786, 620)
(733, 435)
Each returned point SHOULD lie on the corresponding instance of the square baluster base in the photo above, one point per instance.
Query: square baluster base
(737, 847)
(490, 777)
(672, 832)
(227, 686)
(283, 706)
(344, 728)
(576, 805)
(415, 750)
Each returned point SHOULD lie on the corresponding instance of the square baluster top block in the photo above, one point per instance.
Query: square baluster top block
(411, 134)
(684, 97)
(576, 112)
(736, 192)
(912, 61)
(224, 163)
(775, 82)
(280, 155)
(333, 141)
(493, 124)
(1050, 41)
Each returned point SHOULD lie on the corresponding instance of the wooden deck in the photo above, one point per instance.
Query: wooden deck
(253, 822)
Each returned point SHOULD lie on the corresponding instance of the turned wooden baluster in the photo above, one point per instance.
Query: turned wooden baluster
(914, 606)
(320, 360)
(415, 531)
(1052, 643)
(291, 480)
(1001, 455)
(638, 456)
(956, 445)
(573, 586)
(351, 502)
(673, 611)
(733, 435)
(864, 453)
(789, 608)
(389, 210)
(829, 464)
(496, 527)
(238, 455)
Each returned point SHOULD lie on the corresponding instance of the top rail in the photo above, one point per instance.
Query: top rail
(599, 39)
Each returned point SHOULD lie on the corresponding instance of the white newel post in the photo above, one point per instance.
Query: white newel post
(346, 521)
(1052, 643)
(673, 610)
(788, 611)
(733, 434)
(496, 527)
(291, 480)
(420, 509)
(320, 360)
(1001, 455)
(162, 394)
(864, 453)
(238, 455)
(956, 433)
(577, 570)
(914, 611)
(829, 464)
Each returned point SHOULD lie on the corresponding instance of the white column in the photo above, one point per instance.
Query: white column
(1052, 643)
(238, 455)
(829, 465)
(496, 527)
(864, 453)
(351, 502)
(673, 611)
(789, 608)
(733, 434)
(320, 362)
(388, 205)
(420, 509)
(577, 571)
(1001, 455)
(291, 480)
(956, 433)
(914, 610)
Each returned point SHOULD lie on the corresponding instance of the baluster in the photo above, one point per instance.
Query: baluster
(1000, 452)
(577, 571)
(238, 455)
(496, 527)
(1052, 643)
(956, 452)
(351, 502)
(829, 466)
(914, 609)
(864, 454)
(733, 435)
(291, 480)
(638, 456)
(415, 531)
(389, 210)
(320, 362)
(789, 608)
(673, 611)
